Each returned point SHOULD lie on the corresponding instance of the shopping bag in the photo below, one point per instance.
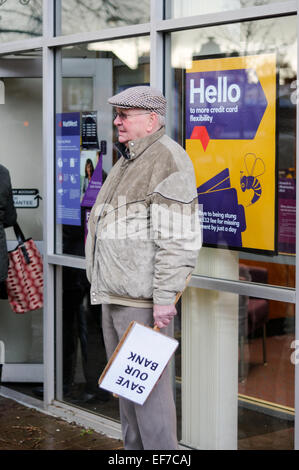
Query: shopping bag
(24, 283)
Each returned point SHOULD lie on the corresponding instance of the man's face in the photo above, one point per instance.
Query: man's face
(132, 124)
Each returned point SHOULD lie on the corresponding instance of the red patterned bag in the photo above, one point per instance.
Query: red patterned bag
(25, 283)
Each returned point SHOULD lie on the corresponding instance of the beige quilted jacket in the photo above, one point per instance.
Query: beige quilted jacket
(143, 233)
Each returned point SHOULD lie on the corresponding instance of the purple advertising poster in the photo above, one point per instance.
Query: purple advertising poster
(91, 176)
(91, 181)
(68, 210)
(287, 215)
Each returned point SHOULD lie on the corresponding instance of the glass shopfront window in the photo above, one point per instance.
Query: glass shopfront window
(233, 108)
(237, 372)
(82, 16)
(20, 19)
(267, 357)
(232, 97)
(179, 9)
(239, 132)
(80, 344)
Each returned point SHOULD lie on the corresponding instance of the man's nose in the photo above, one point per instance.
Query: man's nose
(117, 120)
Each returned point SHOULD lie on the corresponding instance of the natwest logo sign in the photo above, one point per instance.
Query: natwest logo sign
(68, 124)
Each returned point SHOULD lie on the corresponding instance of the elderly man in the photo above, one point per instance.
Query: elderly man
(142, 244)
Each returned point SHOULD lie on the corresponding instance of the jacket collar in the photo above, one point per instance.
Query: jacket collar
(137, 147)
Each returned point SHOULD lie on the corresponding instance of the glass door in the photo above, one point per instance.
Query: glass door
(86, 76)
(21, 335)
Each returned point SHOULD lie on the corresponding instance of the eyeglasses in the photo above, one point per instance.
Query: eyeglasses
(123, 116)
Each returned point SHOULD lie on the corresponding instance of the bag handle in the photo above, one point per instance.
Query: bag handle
(21, 240)
(19, 234)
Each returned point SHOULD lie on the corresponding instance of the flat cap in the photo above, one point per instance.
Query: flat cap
(144, 97)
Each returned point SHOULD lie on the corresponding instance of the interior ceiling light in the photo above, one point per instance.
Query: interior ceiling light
(128, 50)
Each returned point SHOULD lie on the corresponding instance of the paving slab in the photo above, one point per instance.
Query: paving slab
(24, 428)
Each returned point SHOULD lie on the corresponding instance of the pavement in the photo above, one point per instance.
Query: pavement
(27, 429)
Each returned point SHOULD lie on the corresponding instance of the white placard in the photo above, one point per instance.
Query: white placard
(137, 363)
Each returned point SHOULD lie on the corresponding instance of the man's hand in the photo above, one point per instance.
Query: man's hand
(163, 314)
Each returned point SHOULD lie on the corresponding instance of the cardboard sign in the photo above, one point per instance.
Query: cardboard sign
(137, 363)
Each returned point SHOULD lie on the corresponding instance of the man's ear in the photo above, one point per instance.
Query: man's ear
(152, 122)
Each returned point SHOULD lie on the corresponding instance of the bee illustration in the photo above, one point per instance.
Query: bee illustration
(250, 180)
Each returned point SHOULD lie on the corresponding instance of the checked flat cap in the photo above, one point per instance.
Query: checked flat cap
(144, 97)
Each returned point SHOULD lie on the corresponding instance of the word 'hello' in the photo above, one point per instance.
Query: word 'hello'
(222, 93)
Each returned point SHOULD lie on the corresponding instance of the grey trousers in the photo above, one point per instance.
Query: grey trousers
(150, 426)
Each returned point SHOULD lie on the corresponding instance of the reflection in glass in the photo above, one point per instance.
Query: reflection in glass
(179, 9)
(266, 374)
(276, 36)
(84, 356)
(21, 20)
(235, 363)
(92, 15)
(77, 94)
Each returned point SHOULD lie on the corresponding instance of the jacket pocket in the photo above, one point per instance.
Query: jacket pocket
(125, 268)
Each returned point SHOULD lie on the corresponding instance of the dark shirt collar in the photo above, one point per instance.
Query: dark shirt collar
(122, 149)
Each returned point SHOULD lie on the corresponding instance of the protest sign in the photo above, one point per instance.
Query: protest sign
(137, 363)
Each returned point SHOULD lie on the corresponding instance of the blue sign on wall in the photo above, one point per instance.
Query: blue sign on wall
(68, 209)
